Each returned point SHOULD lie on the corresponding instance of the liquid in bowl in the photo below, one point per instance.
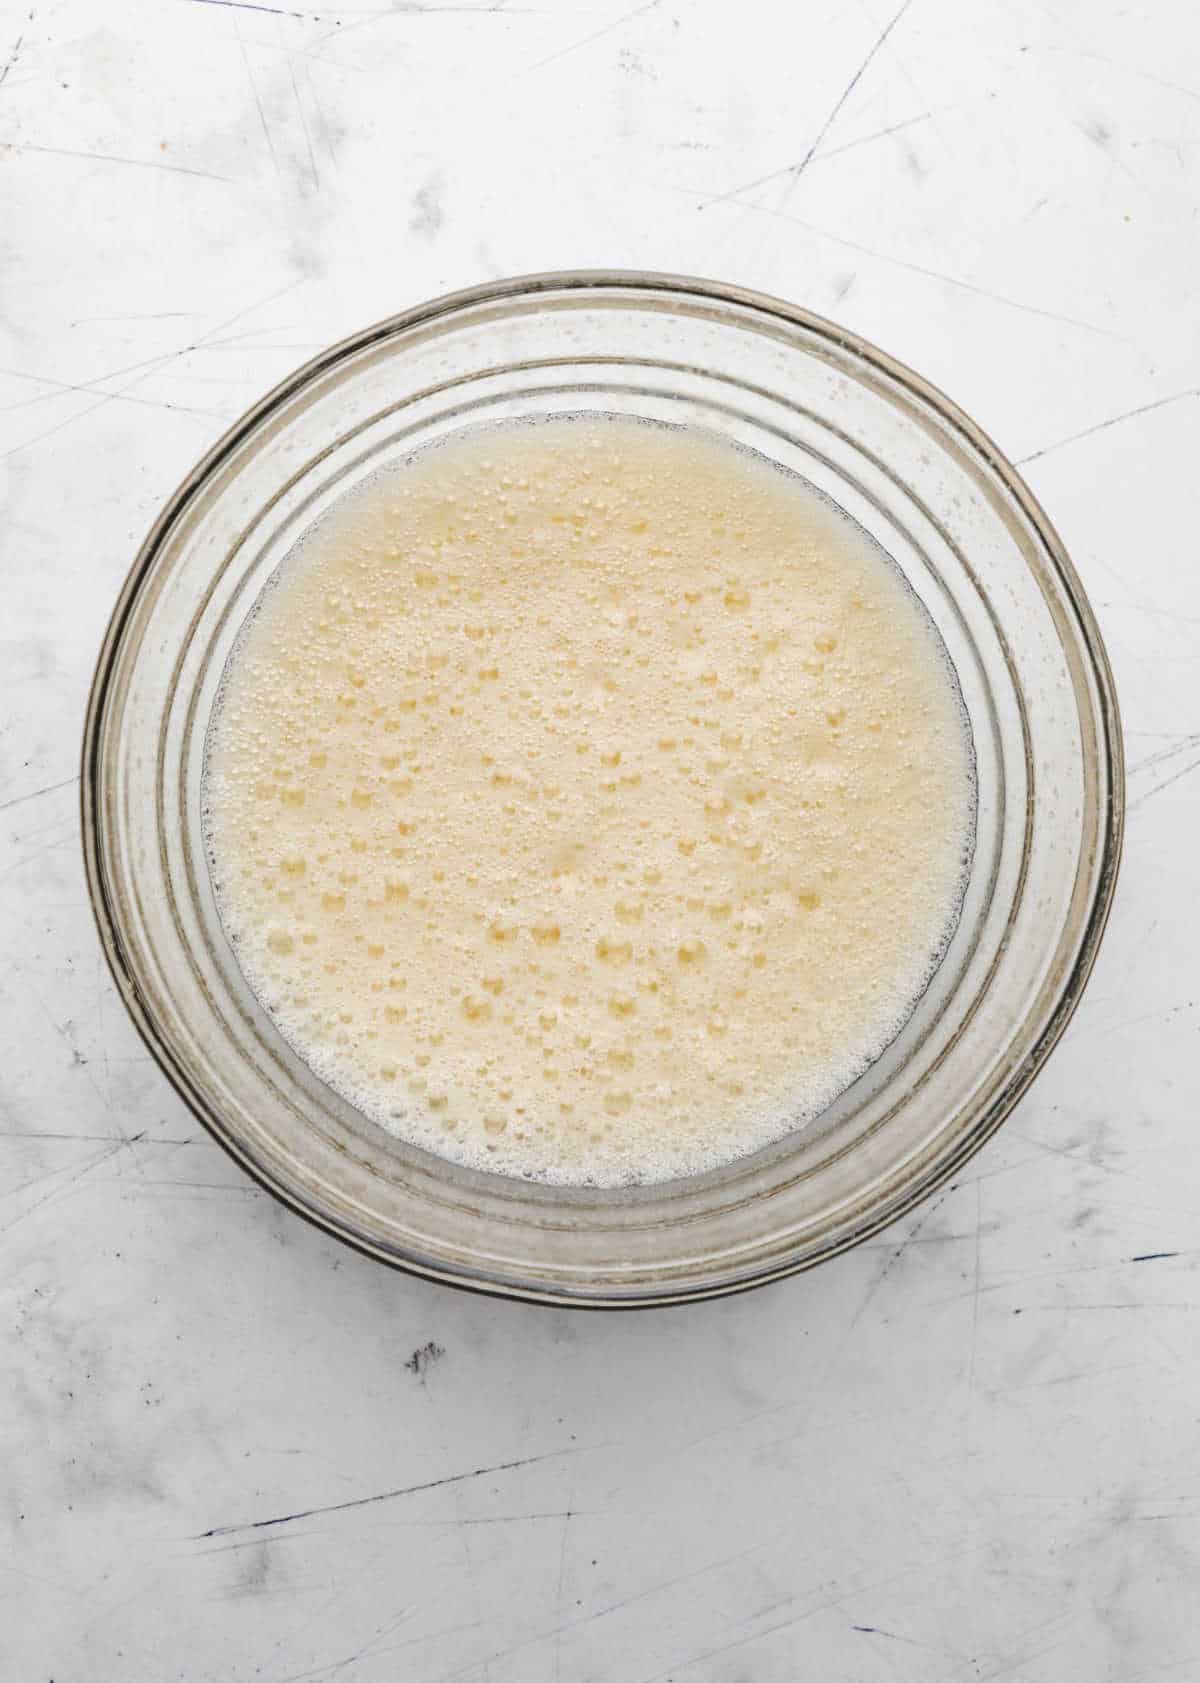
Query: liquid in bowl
(588, 800)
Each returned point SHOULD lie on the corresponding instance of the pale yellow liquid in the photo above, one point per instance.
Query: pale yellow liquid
(589, 800)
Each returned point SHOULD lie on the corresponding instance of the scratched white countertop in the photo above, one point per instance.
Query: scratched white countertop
(233, 1449)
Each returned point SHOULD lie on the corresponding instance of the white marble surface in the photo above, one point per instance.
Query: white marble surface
(968, 1451)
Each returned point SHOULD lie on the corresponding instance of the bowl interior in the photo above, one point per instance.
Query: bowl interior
(891, 453)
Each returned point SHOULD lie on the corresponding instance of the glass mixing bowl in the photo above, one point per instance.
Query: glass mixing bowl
(974, 545)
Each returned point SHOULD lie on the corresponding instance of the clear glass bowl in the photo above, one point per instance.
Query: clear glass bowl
(975, 546)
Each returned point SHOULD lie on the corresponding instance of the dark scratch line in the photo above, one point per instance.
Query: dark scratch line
(626, 17)
(151, 364)
(249, 6)
(253, 333)
(326, 127)
(1063, 1151)
(58, 387)
(1102, 426)
(62, 1030)
(975, 1296)
(262, 115)
(68, 839)
(1090, 1374)
(500, 1519)
(614, 1607)
(1092, 1308)
(1184, 771)
(1127, 69)
(112, 158)
(12, 57)
(920, 269)
(868, 139)
(93, 1139)
(1186, 742)
(35, 794)
(410, 9)
(109, 397)
(57, 1191)
(157, 315)
(799, 169)
(335, 1666)
(312, 160)
(562, 1572)
(674, 1671)
(909, 1641)
(899, 1250)
(371, 1646)
(1155, 1256)
(384, 1495)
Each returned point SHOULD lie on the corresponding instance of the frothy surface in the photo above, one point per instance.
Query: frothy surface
(588, 800)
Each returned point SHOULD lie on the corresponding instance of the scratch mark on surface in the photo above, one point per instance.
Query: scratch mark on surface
(96, 1139)
(73, 1170)
(1113, 420)
(1190, 739)
(909, 1239)
(68, 839)
(895, 1636)
(1087, 1375)
(869, 139)
(1127, 69)
(1092, 1162)
(262, 115)
(1019, 1664)
(238, 340)
(60, 426)
(975, 1295)
(562, 1573)
(615, 1607)
(586, 40)
(327, 132)
(390, 1495)
(1094, 1308)
(156, 315)
(249, 6)
(36, 794)
(151, 364)
(798, 169)
(263, 1542)
(372, 1644)
(57, 387)
(57, 1191)
(1148, 794)
(451, 1525)
(824, 1606)
(916, 268)
(1162, 1014)
(312, 157)
(113, 158)
(13, 56)
(392, 1648)
(78, 1062)
(1155, 1256)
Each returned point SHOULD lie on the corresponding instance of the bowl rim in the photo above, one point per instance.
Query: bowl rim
(634, 283)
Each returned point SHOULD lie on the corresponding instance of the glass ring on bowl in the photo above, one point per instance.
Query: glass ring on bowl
(974, 545)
